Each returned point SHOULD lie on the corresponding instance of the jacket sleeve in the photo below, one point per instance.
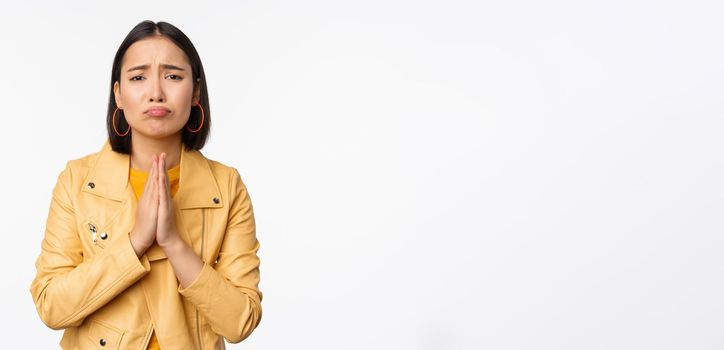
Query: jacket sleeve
(68, 286)
(227, 295)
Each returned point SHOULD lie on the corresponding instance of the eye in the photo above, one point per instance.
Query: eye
(134, 78)
(174, 75)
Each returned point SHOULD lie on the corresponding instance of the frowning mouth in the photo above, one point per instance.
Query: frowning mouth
(157, 111)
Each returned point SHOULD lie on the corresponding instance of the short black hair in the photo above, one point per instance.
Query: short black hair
(145, 29)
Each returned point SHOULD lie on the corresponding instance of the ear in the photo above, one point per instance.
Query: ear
(197, 90)
(117, 93)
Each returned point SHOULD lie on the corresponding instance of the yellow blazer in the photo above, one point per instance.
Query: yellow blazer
(91, 283)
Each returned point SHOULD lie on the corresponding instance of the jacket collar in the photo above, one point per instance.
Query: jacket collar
(108, 178)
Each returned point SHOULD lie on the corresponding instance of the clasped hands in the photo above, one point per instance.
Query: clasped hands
(155, 215)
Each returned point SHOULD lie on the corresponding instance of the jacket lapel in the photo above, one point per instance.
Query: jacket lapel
(197, 184)
(197, 187)
(108, 177)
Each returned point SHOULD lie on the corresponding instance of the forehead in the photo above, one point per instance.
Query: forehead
(154, 51)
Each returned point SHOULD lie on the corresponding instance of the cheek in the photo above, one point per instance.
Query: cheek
(181, 98)
(180, 93)
(131, 97)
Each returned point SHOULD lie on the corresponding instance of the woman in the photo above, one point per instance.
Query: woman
(148, 244)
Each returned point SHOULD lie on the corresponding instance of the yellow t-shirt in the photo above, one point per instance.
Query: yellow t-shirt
(138, 182)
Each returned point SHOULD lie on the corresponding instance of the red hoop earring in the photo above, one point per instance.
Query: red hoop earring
(202, 119)
(113, 121)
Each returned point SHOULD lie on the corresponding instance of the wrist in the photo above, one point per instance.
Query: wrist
(171, 244)
(139, 247)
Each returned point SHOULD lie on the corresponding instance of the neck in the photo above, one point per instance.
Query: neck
(142, 148)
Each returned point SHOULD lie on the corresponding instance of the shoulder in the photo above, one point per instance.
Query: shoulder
(83, 163)
(226, 174)
(78, 168)
(224, 171)
(69, 179)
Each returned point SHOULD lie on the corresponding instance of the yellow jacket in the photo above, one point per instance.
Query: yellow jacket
(91, 283)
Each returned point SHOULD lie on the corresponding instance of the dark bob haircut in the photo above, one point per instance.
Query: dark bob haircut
(145, 29)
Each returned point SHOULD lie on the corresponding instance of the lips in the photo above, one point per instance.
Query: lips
(157, 111)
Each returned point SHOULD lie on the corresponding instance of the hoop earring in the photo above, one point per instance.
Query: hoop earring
(202, 120)
(113, 121)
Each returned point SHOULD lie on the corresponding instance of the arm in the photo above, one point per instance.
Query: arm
(67, 287)
(228, 294)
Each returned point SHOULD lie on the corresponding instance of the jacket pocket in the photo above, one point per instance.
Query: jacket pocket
(104, 336)
(90, 233)
(102, 224)
(98, 235)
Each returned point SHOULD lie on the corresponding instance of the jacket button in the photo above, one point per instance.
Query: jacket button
(102, 342)
(104, 235)
(216, 200)
(91, 185)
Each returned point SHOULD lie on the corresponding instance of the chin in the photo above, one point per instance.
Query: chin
(160, 133)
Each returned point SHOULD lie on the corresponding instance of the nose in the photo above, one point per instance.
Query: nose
(156, 94)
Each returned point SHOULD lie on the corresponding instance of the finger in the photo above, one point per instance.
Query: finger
(167, 181)
(148, 185)
(159, 169)
(161, 181)
(154, 159)
(150, 180)
(165, 175)
(153, 178)
(162, 165)
(165, 184)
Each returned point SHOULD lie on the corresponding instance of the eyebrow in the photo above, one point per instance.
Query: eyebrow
(145, 66)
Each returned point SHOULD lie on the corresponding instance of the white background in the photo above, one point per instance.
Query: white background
(425, 174)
